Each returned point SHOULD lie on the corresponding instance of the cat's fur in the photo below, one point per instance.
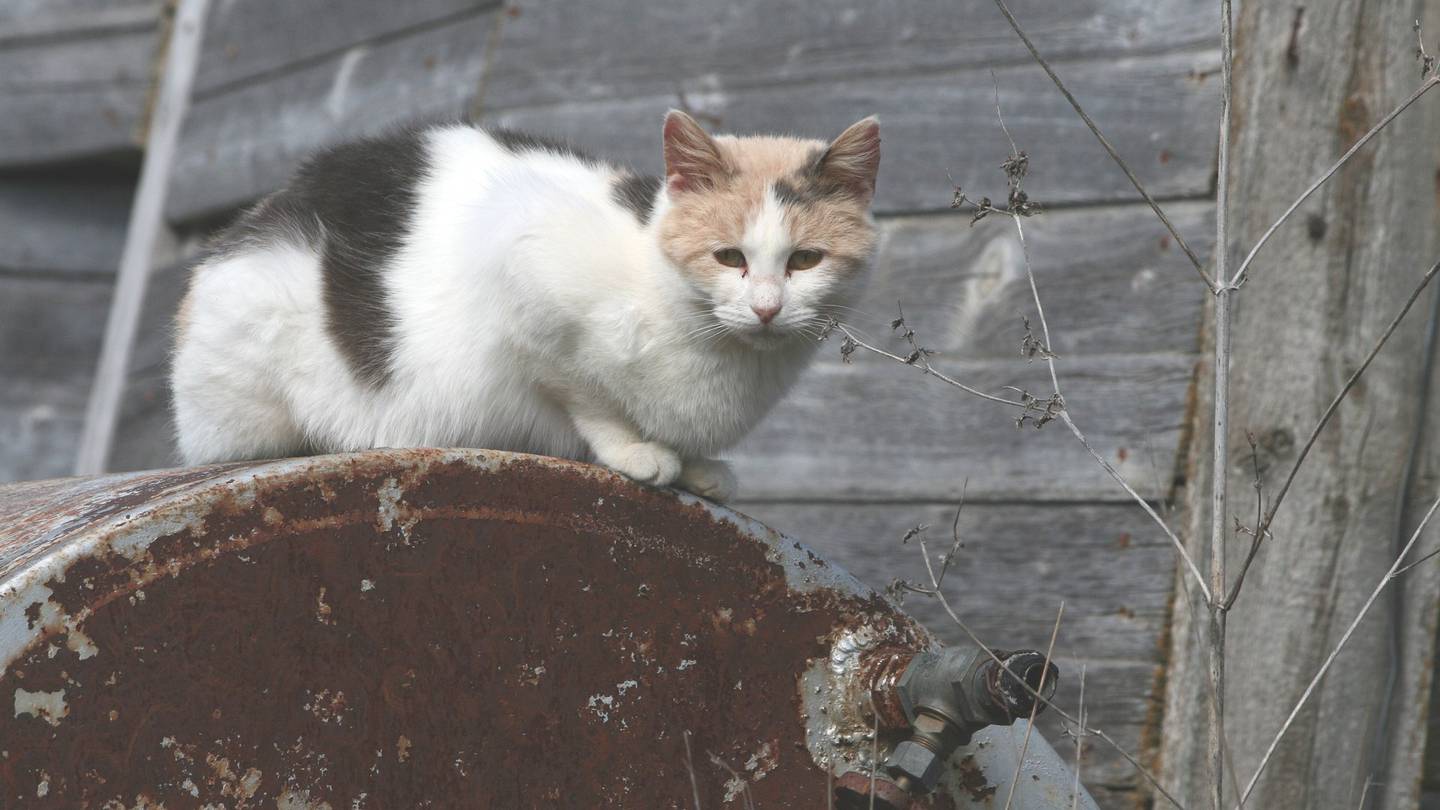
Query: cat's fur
(455, 287)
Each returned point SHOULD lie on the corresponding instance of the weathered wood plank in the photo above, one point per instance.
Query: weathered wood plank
(1111, 279)
(49, 339)
(70, 226)
(73, 79)
(240, 145)
(145, 435)
(1313, 307)
(1107, 563)
(875, 430)
(572, 51)
(251, 37)
(1158, 111)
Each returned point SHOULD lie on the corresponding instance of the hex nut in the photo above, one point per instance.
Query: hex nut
(917, 762)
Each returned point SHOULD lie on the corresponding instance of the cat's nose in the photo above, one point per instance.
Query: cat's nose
(766, 312)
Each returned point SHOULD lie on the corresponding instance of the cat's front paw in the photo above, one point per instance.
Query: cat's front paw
(708, 478)
(648, 463)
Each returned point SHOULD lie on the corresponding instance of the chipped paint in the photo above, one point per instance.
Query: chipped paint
(47, 706)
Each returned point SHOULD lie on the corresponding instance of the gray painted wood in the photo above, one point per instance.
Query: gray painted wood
(875, 430)
(50, 331)
(1312, 309)
(73, 79)
(226, 159)
(1158, 111)
(1114, 282)
(563, 50)
(62, 226)
(1018, 563)
(249, 38)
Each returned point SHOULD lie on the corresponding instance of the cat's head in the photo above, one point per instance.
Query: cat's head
(773, 233)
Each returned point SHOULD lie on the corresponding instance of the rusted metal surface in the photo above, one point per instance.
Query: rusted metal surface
(428, 628)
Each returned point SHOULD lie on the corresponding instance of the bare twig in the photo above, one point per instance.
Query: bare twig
(1262, 530)
(1220, 466)
(1079, 744)
(921, 363)
(1095, 130)
(955, 534)
(1425, 87)
(1034, 709)
(690, 766)
(874, 748)
(1033, 692)
(1330, 659)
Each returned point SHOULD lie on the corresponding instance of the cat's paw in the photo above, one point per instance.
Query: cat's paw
(648, 463)
(708, 478)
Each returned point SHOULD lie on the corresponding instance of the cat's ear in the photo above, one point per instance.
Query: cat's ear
(692, 158)
(853, 160)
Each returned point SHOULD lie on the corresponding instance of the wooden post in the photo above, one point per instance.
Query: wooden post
(1308, 83)
(145, 229)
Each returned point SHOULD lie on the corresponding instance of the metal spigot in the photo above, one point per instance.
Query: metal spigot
(942, 698)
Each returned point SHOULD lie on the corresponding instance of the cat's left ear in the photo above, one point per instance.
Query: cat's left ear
(853, 160)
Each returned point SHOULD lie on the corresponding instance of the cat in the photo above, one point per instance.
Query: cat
(452, 286)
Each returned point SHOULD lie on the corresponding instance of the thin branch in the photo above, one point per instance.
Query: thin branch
(690, 766)
(1115, 156)
(1263, 528)
(954, 533)
(974, 639)
(1424, 88)
(744, 783)
(1034, 709)
(1079, 744)
(920, 363)
(1330, 659)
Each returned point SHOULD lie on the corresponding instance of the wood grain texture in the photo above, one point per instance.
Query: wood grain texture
(250, 38)
(50, 332)
(1314, 305)
(1155, 109)
(567, 50)
(227, 159)
(73, 79)
(62, 226)
(875, 430)
(1108, 564)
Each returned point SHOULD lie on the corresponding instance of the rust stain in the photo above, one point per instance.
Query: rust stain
(380, 637)
(973, 781)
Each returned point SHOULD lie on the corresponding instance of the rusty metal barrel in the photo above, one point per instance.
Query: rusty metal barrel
(439, 628)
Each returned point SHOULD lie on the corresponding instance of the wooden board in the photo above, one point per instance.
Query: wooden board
(63, 226)
(249, 38)
(73, 81)
(1019, 562)
(1157, 110)
(876, 430)
(1110, 279)
(50, 330)
(568, 50)
(242, 144)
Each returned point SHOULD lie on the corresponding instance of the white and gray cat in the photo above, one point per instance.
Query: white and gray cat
(451, 286)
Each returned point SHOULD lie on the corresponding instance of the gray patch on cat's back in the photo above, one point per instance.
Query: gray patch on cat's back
(636, 193)
(353, 204)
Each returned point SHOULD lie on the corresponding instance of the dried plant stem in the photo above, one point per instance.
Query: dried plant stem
(1262, 529)
(1390, 575)
(1034, 709)
(1244, 267)
(974, 639)
(690, 766)
(1220, 451)
(1105, 142)
(923, 365)
(1079, 744)
(1075, 430)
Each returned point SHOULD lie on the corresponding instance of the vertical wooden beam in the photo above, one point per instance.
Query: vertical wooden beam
(141, 238)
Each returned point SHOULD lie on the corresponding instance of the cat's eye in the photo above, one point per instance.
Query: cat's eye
(803, 260)
(730, 257)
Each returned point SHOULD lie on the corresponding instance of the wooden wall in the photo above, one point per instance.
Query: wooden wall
(861, 451)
